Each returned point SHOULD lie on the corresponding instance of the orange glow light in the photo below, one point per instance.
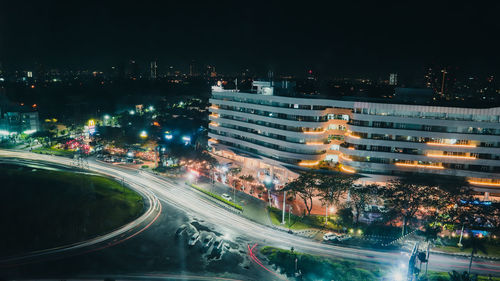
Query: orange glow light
(309, 163)
(347, 170)
(451, 156)
(345, 158)
(314, 132)
(419, 166)
(352, 136)
(445, 144)
(214, 124)
(484, 183)
(314, 143)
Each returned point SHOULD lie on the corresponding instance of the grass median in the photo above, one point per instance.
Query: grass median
(46, 208)
(53, 151)
(213, 195)
(318, 267)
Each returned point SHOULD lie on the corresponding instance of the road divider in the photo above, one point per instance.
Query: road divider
(213, 195)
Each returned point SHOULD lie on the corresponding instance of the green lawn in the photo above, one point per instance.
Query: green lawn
(320, 268)
(300, 223)
(45, 208)
(54, 151)
(444, 276)
(493, 250)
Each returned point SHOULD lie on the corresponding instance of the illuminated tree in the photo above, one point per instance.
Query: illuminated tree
(360, 198)
(306, 187)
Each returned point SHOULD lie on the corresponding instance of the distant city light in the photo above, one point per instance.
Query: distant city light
(106, 117)
(168, 136)
(131, 112)
(143, 134)
(130, 154)
(151, 108)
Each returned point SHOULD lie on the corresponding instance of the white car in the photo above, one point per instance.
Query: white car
(330, 236)
(226, 196)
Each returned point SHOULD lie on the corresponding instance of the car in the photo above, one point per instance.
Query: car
(343, 237)
(330, 236)
(226, 196)
(194, 238)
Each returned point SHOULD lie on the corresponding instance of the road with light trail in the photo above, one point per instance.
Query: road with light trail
(177, 194)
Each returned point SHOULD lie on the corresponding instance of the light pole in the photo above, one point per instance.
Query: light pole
(461, 235)
(326, 215)
(289, 212)
(284, 207)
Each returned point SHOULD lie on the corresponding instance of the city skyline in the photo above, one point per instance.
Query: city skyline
(285, 38)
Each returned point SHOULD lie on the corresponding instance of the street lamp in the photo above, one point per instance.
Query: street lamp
(106, 117)
(131, 112)
(143, 134)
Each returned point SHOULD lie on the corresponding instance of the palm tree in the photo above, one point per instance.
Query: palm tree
(475, 244)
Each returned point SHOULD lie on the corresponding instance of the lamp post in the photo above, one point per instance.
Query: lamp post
(461, 235)
(284, 207)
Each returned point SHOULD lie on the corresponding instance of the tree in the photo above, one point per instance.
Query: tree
(332, 186)
(345, 217)
(360, 197)
(306, 187)
(475, 244)
(406, 196)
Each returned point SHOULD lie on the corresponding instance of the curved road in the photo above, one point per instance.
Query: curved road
(176, 194)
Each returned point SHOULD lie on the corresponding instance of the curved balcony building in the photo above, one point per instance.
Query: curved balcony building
(262, 128)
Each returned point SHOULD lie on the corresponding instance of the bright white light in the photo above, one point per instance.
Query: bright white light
(186, 138)
(143, 134)
(106, 117)
(130, 154)
(168, 137)
(3, 132)
(268, 180)
(131, 112)
(29, 132)
(397, 276)
(151, 108)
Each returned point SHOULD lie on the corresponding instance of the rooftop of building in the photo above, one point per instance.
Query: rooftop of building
(375, 94)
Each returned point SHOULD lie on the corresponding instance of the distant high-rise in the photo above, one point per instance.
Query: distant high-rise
(194, 69)
(393, 79)
(153, 70)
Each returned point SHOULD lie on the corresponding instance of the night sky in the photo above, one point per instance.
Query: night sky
(343, 37)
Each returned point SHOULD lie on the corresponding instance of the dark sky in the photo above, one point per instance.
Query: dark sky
(342, 37)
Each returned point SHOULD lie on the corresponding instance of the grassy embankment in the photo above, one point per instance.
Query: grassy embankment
(43, 208)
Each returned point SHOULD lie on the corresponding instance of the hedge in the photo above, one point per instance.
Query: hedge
(232, 204)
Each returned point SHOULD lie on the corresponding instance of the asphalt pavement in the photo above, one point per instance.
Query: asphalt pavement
(176, 194)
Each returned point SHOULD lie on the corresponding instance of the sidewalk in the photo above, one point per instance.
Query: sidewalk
(253, 208)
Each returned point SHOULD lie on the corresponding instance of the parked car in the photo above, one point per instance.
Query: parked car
(193, 239)
(330, 236)
(226, 196)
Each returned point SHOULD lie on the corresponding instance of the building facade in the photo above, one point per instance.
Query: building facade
(279, 133)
